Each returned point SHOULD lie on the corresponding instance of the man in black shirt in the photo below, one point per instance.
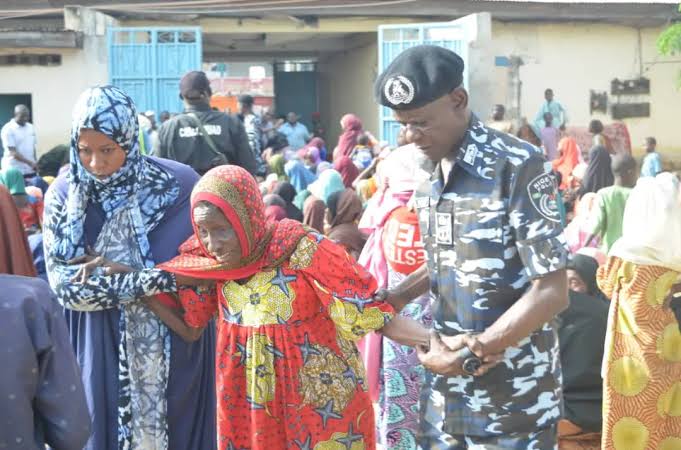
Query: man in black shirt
(203, 138)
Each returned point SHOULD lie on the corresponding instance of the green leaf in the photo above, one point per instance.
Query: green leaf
(669, 42)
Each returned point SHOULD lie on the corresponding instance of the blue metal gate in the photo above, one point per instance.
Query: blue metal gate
(148, 63)
(394, 39)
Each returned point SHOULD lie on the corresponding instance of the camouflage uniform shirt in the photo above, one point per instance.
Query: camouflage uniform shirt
(489, 231)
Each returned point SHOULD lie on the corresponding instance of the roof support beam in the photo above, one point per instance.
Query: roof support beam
(41, 39)
(281, 25)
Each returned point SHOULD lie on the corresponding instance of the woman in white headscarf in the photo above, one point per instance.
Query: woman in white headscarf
(642, 363)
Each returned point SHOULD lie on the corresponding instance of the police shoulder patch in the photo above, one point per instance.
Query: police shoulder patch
(542, 192)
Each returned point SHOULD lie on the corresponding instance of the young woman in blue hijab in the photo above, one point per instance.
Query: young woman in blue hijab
(146, 388)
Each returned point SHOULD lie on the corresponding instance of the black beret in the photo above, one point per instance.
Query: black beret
(418, 76)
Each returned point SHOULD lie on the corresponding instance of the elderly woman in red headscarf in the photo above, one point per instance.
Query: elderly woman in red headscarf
(292, 304)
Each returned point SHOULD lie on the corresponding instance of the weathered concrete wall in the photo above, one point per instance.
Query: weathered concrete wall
(54, 89)
(346, 86)
(574, 58)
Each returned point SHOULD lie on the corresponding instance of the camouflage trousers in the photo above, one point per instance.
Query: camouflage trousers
(433, 437)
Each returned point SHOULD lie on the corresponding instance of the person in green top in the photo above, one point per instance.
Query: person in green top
(611, 201)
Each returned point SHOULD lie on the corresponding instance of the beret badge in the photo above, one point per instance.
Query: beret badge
(399, 90)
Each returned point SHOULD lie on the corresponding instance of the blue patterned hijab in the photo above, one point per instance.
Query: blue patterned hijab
(110, 111)
(134, 200)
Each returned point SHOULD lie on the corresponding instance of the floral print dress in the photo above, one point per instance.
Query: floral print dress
(288, 370)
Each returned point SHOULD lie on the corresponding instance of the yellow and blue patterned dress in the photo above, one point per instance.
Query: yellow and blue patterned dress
(288, 370)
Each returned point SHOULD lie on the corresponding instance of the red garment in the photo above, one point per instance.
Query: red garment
(31, 215)
(352, 128)
(287, 368)
(402, 243)
(348, 170)
(568, 160)
(15, 253)
(617, 134)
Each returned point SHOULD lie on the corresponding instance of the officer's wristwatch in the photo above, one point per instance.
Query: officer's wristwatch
(471, 363)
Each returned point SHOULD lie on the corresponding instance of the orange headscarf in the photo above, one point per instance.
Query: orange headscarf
(569, 158)
(264, 243)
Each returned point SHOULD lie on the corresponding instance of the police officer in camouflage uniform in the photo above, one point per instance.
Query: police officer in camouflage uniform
(496, 266)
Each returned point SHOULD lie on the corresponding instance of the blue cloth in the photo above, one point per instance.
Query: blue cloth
(362, 157)
(297, 135)
(652, 165)
(35, 241)
(299, 175)
(557, 111)
(490, 229)
(41, 393)
(38, 182)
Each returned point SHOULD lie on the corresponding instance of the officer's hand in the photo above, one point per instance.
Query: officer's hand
(473, 344)
(440, 358)
(471, 341)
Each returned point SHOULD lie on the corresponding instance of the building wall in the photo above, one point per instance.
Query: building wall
(346, 86)
(573, 59)
(54, 90)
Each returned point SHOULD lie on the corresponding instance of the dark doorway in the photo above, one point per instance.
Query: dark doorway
(295, 90)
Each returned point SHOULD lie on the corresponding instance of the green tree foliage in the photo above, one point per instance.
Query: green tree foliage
(669, 42)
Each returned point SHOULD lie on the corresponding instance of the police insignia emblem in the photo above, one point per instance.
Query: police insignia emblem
(542, 193)
(399, 90)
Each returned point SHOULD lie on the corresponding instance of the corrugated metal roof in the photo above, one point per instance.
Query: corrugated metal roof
(502, 9)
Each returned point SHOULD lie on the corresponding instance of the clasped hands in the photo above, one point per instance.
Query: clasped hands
(446, 354)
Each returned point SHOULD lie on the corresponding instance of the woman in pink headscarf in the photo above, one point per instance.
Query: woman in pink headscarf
(398, 176)
(319, 143)
(352, 128)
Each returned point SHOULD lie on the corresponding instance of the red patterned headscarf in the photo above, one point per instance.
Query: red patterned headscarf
(264, 243)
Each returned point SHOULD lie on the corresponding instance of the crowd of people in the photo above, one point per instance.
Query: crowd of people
(230, 282)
